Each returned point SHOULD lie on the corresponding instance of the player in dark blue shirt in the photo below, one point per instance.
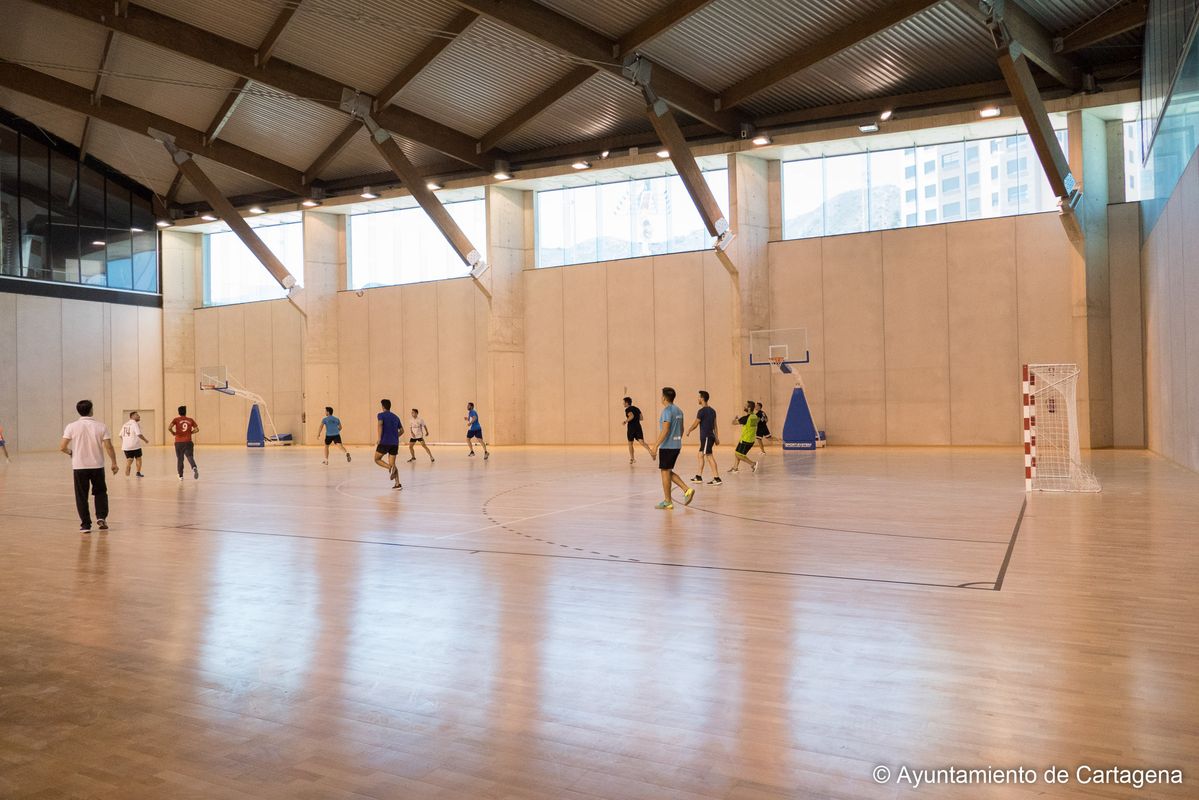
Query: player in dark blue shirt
(390, 429)
(709, 437)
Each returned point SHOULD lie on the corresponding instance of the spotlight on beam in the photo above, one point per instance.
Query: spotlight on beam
(886, 115)
(868, 127)
(989, 112)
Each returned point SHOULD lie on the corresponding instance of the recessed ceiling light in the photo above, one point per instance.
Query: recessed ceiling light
(432, 186)
(164, 223)
(208, 218)
(309, 202)
(604, 154)
(502, 171)
(989, 112)
(581, 165)
(663, 154)
(868, 127)
(136, 230)
(367, 194)
(886, 115)
(97, 243)
(761, 139)
(257, 210)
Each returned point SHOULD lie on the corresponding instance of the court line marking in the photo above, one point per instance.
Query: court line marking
(848, 530)
(546, 514)
(1007, 558)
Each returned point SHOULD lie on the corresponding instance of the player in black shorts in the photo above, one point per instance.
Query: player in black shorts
(763, 428)
(705, 419)
(632, 429)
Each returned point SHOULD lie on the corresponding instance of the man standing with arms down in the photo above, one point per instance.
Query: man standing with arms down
(389, 430)
(86, 440)
(184, 427)
(670, 442)
(705, 418)
(131, 442)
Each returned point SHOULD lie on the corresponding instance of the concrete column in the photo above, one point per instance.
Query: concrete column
(509, 249)
(750, 217)
(182, 293)
(324, 276)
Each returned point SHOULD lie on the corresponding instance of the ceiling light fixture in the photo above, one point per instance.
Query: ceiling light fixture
(164, 223)
(310, 202)
(581, 165)
(257, 210)
(208, 218)
(367, 194)
(761, 140)
(604, 154)
(868, 127)
(886, 115)
(989, 112)
(502, 171)
(432, 186)
(136, 230)
(663, 154)
(97, 243)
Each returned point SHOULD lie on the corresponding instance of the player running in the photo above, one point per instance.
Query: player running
(632, 429)
(332, 427)
(389, 430)
(474, 431)
(749, 433)
(763, 428)
(418, 431)
(184, 428)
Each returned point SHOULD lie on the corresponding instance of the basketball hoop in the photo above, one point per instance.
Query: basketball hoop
(777, 360)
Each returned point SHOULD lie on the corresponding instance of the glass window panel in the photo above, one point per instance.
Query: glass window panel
(120, 238)
(892, 192)
(34, 209)
(10, 236)
(803, 198)
(845, 193)
(145, 246)
(233, 275)
(615, 221)
(550, 228)
(404, 246)
(64, 217)
(687, 230)
(951, 179)
(93, 230)
(651, 218)
(581, 223)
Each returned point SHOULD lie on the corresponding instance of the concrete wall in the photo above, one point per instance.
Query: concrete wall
(917, 335)
(1170, 269)
(55, 352)
(421, 345)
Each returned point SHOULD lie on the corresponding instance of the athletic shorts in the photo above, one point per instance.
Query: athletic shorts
(332, 440)
(706, 443)
(763, 430)
(133, 453)
(419, 440)
(667, 458)
(744, 447)
(475, 434)
(387, 449)
(2, 443)
(634, 432)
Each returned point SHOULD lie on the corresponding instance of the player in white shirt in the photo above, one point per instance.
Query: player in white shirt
(131, 438)
(417, 431)
(86, 440)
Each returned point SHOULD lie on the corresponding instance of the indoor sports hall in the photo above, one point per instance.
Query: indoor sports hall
(611, 400)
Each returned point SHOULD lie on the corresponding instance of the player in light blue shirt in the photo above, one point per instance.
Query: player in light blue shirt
(332, 428)
(670, 442)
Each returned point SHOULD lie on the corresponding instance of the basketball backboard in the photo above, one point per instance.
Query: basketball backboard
(778, 347)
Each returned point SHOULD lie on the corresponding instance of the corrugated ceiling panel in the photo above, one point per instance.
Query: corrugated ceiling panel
(612, 17)
(140, 157)
(363, 44)
(730, 39)
(62, 123)
(243, 21)
(166, 83)
(359, 157)
(37, 37)
(941, 47)
(1125, 47)
(603, 106)
(1062, 16)
(485, 75)
(285, 128)
(228, 180)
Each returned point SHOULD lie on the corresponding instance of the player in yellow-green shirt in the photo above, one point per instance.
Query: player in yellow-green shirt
(749, 434)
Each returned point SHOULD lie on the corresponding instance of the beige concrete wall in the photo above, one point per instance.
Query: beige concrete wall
(262, 346)
(1170, 269)
(1127, 339)
(596, 332)
(917, 335)
(417, 345)
(54, 352)
(181, 294)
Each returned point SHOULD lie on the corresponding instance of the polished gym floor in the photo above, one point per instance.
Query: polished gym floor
(531, 627)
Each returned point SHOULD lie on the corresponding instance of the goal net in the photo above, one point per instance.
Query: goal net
(1052, 456)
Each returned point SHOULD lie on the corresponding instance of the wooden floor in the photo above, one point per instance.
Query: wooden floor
(531, 627)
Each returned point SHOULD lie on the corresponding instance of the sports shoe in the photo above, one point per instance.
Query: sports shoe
(665, 506)
(698, 479)
(486, 455)
(734, 469)
(632, 461)
(196, 473)
(471, 453)
(688, 496)
(753, 467)
(181, 478)
(85, 528)
(347, 458)
(102, 524)
(398, 485)
(326, 462)
(140, 475)
(716, 481)
(411, 459)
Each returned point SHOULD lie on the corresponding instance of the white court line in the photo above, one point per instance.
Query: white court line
(546, 514)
